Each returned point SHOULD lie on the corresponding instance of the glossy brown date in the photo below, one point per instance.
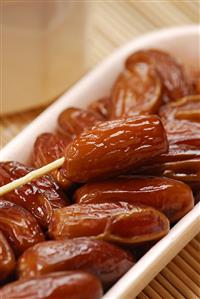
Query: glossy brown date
(171, 197)
(136, 91)
(114, 147)
(72, 121)
(7, 259)
(101, 107)
(49, 147)
(118, 222)
(19, 227)
(182, 163)
(177, 152)
(182, 121)
(190, 110)
(60, 285)
(171, 73)
(104, 260)
(187, 171)
(39, 197)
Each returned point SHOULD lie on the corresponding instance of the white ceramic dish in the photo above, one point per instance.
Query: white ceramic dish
(184, 43)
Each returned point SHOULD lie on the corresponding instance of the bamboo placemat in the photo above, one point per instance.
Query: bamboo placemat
(180, 278)
(112, 24)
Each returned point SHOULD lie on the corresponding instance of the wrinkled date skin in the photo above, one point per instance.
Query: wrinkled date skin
(188, 109)
(187, 171)
(136, 91)
(171, 197)
(19, 227)
(114, 147)
(39, 197)
(60, 285)
(101, 107)
(7, 259)
(72, 121)
(106, 261)
(182, 163)
(177, 152)
(49, 147)
(182, 121)
(172, 75)
(118, 222)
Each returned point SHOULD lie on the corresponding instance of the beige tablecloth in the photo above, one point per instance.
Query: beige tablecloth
(112, 24)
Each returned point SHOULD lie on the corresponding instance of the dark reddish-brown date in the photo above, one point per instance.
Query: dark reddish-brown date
(60, 285)
(49, 147)
(108, 262)
(19, 227)
(182, 163)
(7, 259)
(39, 197)
(102, 107)
(171, 73)
(182, 121)
(72, 121)
(136, 91)
(118, 222)
(177, 152)
(187, 171)
(114, 147)
(171, 197)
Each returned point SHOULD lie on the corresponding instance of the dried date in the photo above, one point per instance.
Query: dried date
(72, 121)
(182, 121)
(171, 197)
(19, 227)
(7, 259)
(60, 285)
(39, 197)
(114, 147)
(136, 91)
(182, 163)
(101, 107)
(117, 222)
(106, 261)
(49, 147)
(187, 171)
(173, 77)
(177, 152)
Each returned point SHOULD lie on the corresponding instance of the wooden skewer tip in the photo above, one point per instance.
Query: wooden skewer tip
(31, 176)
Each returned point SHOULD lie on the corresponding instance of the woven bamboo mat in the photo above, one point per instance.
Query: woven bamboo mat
(114, 23)
(180, 278)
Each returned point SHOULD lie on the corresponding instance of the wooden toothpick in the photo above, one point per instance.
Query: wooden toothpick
(31, 176)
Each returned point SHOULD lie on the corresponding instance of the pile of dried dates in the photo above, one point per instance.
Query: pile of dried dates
(131, 170)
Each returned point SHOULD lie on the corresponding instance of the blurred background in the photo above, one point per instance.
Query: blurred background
(46, 46)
